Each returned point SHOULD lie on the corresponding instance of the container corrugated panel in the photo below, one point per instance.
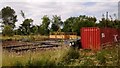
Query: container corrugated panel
(108, 35)
(90, 38)
(93, 37)
(119, 35)
(105, 35)
(114, 34)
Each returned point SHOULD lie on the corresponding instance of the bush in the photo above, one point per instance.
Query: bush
(9, 39)
(101, 58)
(18, 64)
(71, 55)
(88, 62)
(29, 63)
(7, 31)
(40, 63)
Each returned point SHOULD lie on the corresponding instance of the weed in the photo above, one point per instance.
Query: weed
(18, 64)
(101, 57)
(61, 57)
(71, 55)
(88, 62)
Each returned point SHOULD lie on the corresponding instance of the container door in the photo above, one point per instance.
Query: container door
(90, 38)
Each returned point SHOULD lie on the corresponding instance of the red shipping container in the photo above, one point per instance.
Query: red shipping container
(94, 37)
(111, 35)
(119, 35)
(90, 38)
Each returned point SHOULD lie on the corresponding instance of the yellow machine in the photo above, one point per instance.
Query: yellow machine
(63, 35)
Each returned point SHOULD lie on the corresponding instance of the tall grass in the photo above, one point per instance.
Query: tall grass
(62, 57)
(41, 58)
(28, 37)
(70, 55)
(101, 58)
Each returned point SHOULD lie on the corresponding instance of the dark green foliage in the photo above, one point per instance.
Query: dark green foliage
(7, 31)
(18, 31)
(54, 27)
(108, 23)
(18, 64)
(73, 24)
(25, 26)
(44, 27)
(8, 16)
(116, 23)
(56, 23)
(71, 55)
(34, 29)
(68, 24)
(40, 63)
(29, 63)
(88, 62)
(101, 58)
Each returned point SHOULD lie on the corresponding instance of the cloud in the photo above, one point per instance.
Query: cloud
(36, 10)
(36, 1)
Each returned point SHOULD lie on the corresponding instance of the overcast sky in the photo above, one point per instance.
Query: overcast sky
(36, 10)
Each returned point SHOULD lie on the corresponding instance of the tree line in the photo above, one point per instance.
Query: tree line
(72, 24)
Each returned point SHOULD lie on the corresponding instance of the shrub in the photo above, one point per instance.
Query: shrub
(7, 31)
(101, 58)
(88, 62)
(9, 39)
(29, 63)
(50, 63)
(40, 63)
(71, 55)
(18, 64)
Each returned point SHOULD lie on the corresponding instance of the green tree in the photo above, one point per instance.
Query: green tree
(73, 24)
(44, 27)
(116, 23)
(54, 27)
(109, 22)
(83, 21)
(8, 16)
(7, 31)
(18, 31)
(34, 29)
(56, 23)
(68, 24)
(25, 26)
(106, 23)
